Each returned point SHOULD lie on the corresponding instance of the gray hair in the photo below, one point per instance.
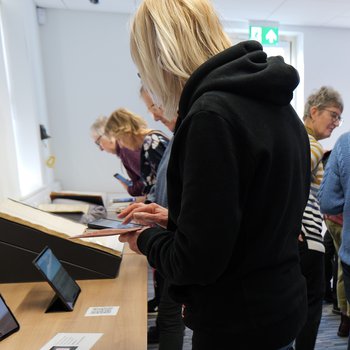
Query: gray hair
(324, 97)
(98, 127)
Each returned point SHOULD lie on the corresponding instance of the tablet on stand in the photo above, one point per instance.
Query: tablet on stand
(65, 288)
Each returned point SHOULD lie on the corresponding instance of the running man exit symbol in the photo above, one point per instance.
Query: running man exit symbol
(256, 33)
(265, 35)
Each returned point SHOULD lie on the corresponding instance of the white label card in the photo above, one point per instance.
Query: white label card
(72, 341)
(102, 311)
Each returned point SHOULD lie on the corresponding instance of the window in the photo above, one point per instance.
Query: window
(19, 121)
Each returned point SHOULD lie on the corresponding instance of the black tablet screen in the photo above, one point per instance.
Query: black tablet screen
(8, 323)
(108, 223)
(64, 285)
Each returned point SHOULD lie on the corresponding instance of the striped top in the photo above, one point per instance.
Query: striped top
(312, 224)
(312, 217)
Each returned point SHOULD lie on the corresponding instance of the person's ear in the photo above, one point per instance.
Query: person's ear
(313, 112)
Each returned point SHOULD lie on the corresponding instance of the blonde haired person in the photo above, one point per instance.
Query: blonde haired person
(237, 179)
(129, 158)
(168, 330)
(132, 133)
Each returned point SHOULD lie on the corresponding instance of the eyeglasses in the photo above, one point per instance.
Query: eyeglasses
(98, 142)
(335, 116)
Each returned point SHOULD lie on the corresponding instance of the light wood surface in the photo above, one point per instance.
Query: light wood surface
(125, 331)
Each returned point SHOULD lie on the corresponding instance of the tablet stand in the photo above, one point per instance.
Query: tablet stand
(57, 305)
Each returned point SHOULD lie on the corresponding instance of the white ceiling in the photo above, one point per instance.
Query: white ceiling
(319, 13)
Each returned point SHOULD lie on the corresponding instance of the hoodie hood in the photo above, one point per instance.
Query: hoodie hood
(242, 69)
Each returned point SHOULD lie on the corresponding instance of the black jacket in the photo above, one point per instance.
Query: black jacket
(238, 182)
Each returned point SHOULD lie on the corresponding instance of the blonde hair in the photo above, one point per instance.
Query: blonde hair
(169, 40)
(122, 121)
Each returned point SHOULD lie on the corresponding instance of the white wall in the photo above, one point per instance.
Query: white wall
(89, 72)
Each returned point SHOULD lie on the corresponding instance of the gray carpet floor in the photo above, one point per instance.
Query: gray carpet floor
(327, 334)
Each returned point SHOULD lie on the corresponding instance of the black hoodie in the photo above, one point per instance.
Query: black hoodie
(238, 181)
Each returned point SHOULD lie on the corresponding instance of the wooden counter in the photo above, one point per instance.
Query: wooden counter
(125, 331)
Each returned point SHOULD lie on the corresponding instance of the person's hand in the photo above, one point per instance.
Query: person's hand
(131, 239)
(145, 214)
(123, 184)
(139, 199)
(124, 213)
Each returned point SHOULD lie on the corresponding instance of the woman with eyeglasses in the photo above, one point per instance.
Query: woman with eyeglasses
(322, 114)
(129, 158)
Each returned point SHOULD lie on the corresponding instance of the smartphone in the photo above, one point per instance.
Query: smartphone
(8, 322)
(65, 287)
(123, 179)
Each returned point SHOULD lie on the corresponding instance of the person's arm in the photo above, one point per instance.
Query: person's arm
(210, 209)
(316, 156)
(127, 157)
(145, 214)
(151, 154)
(331, 193)
(316, 153)
(137, 187)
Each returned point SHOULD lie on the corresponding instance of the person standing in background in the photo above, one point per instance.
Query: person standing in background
(132, 133)
(238, 179)
(129, 158)
(153, 304)
(334, 224)
(169, 328)
(322, 114)
(334, 197)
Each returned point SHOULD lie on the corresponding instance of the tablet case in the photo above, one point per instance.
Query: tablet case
(20, 244)
(55, 278)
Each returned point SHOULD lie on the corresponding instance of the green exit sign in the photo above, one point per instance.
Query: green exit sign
(265, 35)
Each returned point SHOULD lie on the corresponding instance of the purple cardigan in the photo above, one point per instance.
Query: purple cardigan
(131, 161)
